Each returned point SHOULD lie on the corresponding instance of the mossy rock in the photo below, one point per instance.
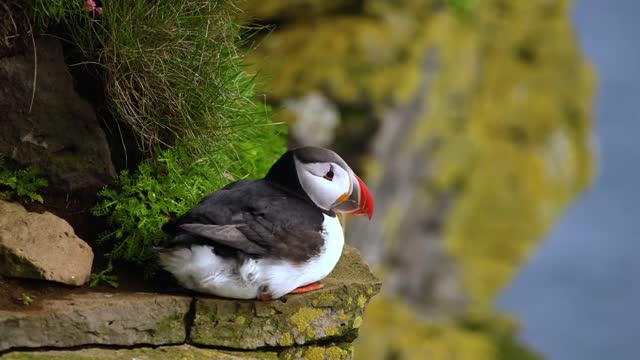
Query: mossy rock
(186, 352)
(333, 313)
(330, 352)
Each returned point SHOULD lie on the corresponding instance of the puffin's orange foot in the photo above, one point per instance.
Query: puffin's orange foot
(307, 288)
(265, 297)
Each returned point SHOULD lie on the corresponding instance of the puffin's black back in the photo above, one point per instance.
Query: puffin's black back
(275, 215)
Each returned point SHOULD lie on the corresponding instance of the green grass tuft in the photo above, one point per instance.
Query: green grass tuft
(171, 68)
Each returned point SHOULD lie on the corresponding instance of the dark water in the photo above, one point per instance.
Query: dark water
(579, 295)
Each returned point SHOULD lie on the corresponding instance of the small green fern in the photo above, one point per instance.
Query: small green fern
(104, 276)
(22, 183)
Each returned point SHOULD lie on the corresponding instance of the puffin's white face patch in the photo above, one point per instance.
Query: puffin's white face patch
(325, 183)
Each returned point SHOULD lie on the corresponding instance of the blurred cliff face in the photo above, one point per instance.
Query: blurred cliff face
(470, 118)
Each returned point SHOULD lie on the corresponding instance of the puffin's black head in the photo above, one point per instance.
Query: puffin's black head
(322, 176)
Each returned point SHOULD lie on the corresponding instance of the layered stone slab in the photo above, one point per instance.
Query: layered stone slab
(332, 352)
(97, 318)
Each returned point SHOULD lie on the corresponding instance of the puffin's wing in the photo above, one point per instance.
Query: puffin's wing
(255, 218)
(293, 241)
(228, 235)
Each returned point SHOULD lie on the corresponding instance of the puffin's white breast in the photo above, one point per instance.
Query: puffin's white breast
(283, 277)
(200, 269)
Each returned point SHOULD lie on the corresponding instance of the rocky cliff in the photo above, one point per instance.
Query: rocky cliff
(477, 115)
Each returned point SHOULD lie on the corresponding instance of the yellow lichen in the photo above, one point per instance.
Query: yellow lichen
(330, 331)
(336, 353)
(314, 353)
(362, 301)
(240, 320)
(357, 322)
(286, 339)
(304, 317)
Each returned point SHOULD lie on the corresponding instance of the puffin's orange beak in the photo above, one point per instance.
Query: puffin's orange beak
(365, 206)
(360, 202)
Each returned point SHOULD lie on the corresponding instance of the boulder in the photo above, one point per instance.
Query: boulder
(41, 246)
(51, 127)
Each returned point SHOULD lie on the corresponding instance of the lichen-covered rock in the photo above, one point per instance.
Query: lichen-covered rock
(330, 352)
(145, 353)
(41, 246)
(334, 312)
(44, 122)
(97, 318)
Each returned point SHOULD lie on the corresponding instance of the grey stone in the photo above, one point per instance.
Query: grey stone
(144, 353)
(97, 318)
(41, 246)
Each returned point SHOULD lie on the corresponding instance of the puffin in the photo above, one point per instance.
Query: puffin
(265, 238)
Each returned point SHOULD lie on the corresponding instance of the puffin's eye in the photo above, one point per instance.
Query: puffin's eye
(329, 174)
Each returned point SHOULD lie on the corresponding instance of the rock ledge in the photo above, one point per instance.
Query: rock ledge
(320, 324)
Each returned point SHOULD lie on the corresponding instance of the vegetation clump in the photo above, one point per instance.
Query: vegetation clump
(23, 184)
(173, 74)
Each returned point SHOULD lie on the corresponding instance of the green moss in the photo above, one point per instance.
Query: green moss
(171, 325)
